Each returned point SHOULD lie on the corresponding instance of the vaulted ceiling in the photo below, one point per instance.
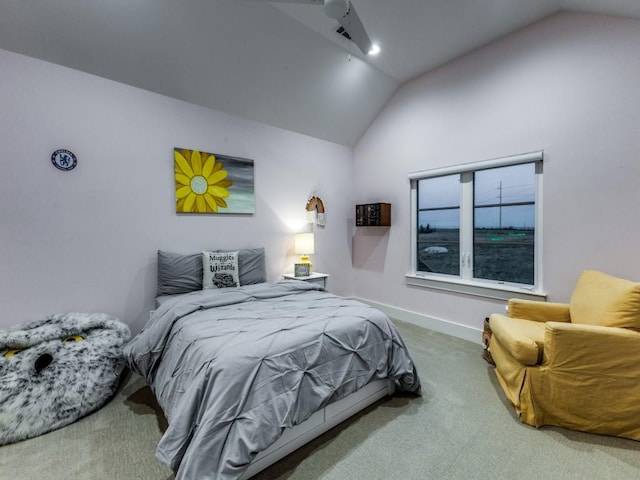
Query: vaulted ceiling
(278, 63)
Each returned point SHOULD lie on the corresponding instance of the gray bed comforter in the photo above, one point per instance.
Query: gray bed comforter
(231, 368)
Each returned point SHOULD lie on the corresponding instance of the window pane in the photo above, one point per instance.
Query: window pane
(517, 216)
(502, 185)
(439, 192)
(505, 255)
(439, 225)
(504, 224)
(438, 249)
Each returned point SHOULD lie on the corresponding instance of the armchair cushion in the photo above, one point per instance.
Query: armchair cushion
(522, 339)
(600, 299)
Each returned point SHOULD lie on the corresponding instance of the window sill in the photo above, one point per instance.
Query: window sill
(495, 291)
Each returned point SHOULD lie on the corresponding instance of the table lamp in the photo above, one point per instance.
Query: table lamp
(304, 246)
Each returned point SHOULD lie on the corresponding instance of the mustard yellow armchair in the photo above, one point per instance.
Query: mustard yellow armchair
(574, 365)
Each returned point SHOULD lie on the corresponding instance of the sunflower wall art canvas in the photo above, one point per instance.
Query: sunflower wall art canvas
(212, 183)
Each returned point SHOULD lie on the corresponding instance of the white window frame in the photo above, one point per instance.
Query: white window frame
(465, 283)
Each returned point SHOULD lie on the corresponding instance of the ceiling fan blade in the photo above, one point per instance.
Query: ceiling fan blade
(354, 27)
(308, 2)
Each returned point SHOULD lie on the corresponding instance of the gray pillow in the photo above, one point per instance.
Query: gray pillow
(179, 273)
(251, 265)
(182, 273)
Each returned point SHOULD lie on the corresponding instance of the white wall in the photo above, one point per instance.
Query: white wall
(86, 240)
(568, 85)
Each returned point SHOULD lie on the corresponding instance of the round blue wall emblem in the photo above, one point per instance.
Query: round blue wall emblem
(64, 159)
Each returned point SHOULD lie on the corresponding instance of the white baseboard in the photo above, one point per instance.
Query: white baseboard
(443, 326)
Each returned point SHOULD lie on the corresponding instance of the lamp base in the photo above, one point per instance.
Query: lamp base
(305, 259)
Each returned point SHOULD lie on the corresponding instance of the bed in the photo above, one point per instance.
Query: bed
(246, 375)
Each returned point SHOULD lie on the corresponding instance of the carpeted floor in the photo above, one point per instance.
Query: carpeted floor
(461, 428)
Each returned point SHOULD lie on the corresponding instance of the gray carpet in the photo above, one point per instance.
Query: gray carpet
(462, 428)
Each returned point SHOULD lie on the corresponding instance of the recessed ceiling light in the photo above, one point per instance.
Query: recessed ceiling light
(375, 49)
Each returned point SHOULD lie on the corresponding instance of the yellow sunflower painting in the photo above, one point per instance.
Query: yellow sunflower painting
(212, 183)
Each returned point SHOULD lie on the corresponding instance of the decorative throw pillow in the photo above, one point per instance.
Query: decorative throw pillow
(219, 270)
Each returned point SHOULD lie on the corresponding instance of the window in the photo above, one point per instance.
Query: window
(478, 224)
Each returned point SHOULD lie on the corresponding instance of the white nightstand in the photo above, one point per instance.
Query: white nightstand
(319, 278)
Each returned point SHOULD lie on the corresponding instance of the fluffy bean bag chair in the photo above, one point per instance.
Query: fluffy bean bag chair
(56, 370)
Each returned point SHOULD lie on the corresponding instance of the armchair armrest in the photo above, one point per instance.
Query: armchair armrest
(523, 339)
(592, 350)
(538, 311)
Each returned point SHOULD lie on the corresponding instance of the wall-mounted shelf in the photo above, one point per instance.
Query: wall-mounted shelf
(373, 215)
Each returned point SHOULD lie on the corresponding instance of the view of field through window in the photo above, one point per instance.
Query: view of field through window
(503, 206)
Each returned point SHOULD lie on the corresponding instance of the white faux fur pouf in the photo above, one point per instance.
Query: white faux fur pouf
(55, 371)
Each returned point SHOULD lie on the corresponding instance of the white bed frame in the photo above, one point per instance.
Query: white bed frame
(320, 422)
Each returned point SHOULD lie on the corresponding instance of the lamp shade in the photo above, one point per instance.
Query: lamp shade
(304, 243)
